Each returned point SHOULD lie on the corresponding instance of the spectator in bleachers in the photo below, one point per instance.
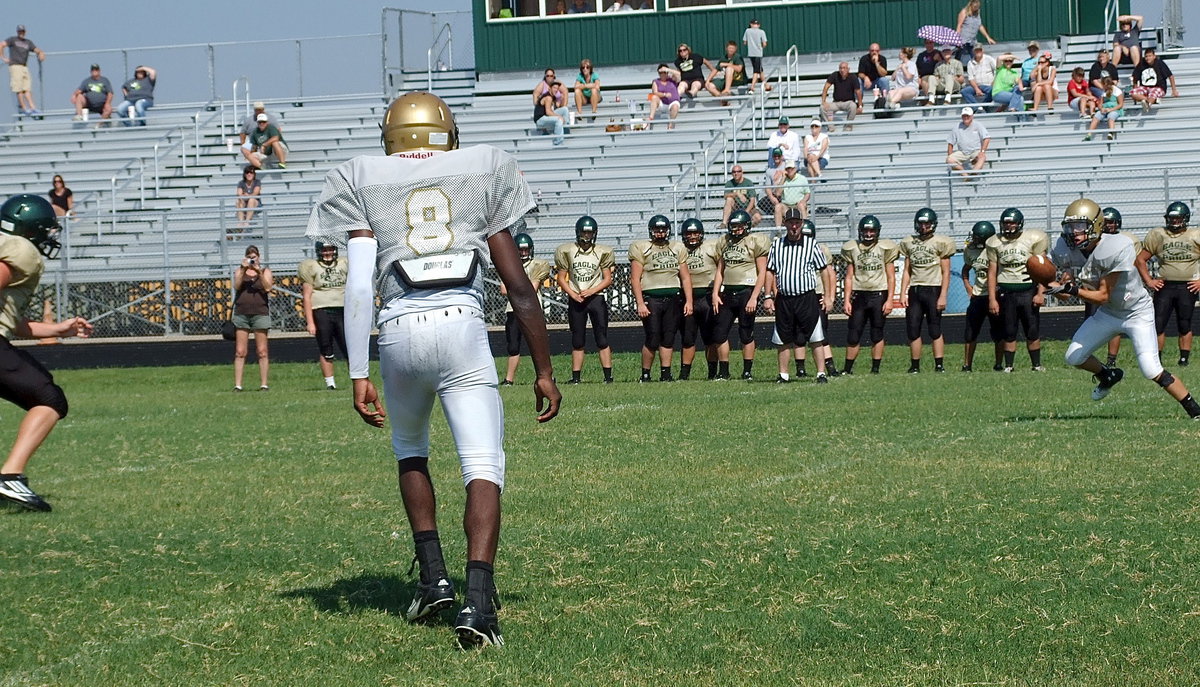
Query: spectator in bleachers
(249, 191)
(1045, 83)
(905, 81)
(981, 72)
(1150, 80)
(1006, 86)
(774, 167)
(550, 117)
(664, 92)
(1112, 108)
(873, 71)
(544, 87)
(267, 142)
(139, 95)
(755, 40)
(1028, 64)
(786, 140)
(61, 198)
(250, 125)
(731, 72)
(18, 48)
(969, 26)
(1101, 68)
(968, 142)
(947, 80)
(587, 86)
(619, 6)
(816, 149)
(1127, 40)
(927, 62)
(847, 96)
(560, 8)
(94, 94)
(740, 194)
(691, 76)
(793, 192)
(581, 7)
(1079, 95)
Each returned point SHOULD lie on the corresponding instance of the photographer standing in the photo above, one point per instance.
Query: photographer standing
(252, 285)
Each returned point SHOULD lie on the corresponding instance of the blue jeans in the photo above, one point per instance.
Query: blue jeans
(554, 125)
(1013, 100)
(882, 83)
(969, 95)
(139, 109)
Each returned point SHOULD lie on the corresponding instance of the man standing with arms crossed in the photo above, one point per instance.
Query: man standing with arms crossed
(417, 224)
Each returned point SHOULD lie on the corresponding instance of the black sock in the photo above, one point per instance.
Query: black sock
(607, 374)
(914, 364)
(1184, 354)
(1035, 358)
(829, 366)
(429, 556)
(1008, 358)
(746, 365)
(1189, 404)
(848, 365)
(939, 362)
(481, 588)
(664, 372)
(575, 375)
(1111, 362)
(800, 371)
(645, 373)
(723, 368)
(712, 369)
(685, 371)
(875, 362)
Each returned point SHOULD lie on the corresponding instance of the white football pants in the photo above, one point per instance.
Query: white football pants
(1100, 327)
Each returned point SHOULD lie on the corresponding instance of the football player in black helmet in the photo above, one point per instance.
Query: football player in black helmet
(702, 260)
(584, 270)
(1177, 248)
(538, 272)
(975, 258)
(923, 286)
(738, 226)
(741, 273)
(1112, 221)
(323, 293)
(662, 290)
(870, 281)
(1012, 294)
(1123, 306)
(925, 223)
(28, 227)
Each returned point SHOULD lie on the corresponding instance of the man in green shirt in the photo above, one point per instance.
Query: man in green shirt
(740, 194)
(266, 141)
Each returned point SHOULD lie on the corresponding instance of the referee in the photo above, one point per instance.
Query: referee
(794, 264)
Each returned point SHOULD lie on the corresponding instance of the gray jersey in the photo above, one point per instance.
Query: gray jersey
(421, 204)
(1115, 253)
(755, 40)
(1066, 257)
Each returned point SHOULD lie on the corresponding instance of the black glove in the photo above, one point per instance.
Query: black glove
(1070, 288)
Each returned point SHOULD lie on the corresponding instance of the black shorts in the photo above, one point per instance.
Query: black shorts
(26, 383)
(733, 304)
(977, 313)
(594, 308)
(662, 323)
(865, 307)
(700, 322)
(330, 330)
(1174, 297)
(512, 334)
(1017, 310)
(796, 318)
(922, 307)
(756, 64)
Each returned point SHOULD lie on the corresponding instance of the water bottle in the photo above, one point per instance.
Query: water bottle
(618, 96)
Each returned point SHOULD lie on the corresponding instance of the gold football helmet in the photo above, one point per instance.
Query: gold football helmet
(418, 120)
(1082, 217)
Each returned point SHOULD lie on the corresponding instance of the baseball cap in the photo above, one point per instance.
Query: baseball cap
(777, 152)
(1046, 54)
(1033, 44)
(96, 67)
(20, 28)
(260, 105)
(792, 213)
(784, 120)
(966, 111)
(790, 164)
(262, 117)
(753, 22)
(815, 122)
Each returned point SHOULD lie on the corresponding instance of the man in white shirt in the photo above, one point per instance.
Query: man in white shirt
(981, 71)
(786, 140)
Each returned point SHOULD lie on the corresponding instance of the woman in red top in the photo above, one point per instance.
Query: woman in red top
(1079, 97)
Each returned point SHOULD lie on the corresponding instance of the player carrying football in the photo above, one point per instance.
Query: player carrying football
(417, 225)
(1110, 280)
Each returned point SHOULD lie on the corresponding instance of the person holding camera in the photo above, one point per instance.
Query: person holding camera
(252, 285)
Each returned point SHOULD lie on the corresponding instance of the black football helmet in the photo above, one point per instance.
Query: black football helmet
(585, 231)
(1012, 223)
(808, 230)
(981, 232)
(1082, 224)
(659, 229)
(1177, 217)
(524, 245)
(925, 222)
(33, 218)
(869, 228)
(739, 225)
(1112, 221)
(322, 247)
(692, 231)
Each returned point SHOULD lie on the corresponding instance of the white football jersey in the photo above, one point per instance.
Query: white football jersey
(1115, 253)
(420, 204)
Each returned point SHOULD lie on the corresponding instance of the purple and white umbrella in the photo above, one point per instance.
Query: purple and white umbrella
(942, 35)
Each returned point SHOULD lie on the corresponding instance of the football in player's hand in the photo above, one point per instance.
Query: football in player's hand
(1041, 270)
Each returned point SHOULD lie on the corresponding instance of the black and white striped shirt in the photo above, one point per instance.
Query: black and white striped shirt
(797, 266)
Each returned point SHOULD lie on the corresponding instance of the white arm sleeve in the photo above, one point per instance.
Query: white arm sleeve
(360, 303)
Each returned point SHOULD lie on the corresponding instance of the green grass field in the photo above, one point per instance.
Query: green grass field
(880, 530)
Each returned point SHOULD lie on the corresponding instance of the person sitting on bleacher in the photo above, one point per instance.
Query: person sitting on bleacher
(1006, 86)
(981, 72)
(664, 92)
(927, 62)
(139, 95)
(1045, 83)
(786, 140)
(731, 72)
(1079, 95)
(847, 95)
(544, 87)
(550, 117)
(1150, 79)
(267, 142)
(688, 67)
(94, 95)
(904, 80)
(947, 78)
(873, 71)
(740, 194)
(587, 86)
(250, 125)
(1101, 68)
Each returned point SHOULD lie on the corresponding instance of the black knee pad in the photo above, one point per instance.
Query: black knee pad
(601, 340)
(415, 464)
(53, 396)
(1165, 379)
